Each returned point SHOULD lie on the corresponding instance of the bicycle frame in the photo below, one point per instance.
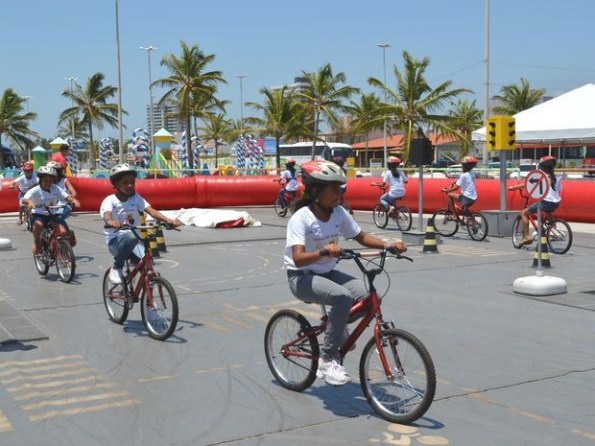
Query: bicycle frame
(145, 268)
(545, 216)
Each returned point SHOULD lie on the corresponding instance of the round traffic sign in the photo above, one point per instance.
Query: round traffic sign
(537, 184)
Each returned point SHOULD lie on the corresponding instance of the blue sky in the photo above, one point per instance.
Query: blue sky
(549, 42)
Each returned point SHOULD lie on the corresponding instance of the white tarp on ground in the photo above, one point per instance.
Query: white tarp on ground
(569, 118)
(213, 218)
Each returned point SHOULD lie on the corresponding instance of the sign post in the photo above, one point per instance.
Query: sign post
(538, 186)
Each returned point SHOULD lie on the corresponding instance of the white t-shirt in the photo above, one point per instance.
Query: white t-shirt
(24, 184)
(126, 212)
(467, 184)
(305, 229)
(396, 185)
(50, 198)
(554, 195)
(62, 185)
(291, 183)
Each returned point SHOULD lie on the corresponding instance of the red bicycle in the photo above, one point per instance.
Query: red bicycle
(397, 374)
(400, 214)
(288, 197)
(447, 223)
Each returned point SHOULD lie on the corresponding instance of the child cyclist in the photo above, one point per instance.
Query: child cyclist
(311, 252)
(551, 201)
(48, 194)
(63, 183)
(394, 180)
(125, 207)
(289, 179)
(23, 183)
(466, 182)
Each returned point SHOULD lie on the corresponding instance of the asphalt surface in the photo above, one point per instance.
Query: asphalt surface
(512, 369)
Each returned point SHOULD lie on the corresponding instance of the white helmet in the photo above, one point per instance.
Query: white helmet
(120, 169)
(54, 165)
(46, 170)
(322, 172)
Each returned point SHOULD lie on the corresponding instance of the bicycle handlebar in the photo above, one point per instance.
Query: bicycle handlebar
(126, 226)
(348, 254)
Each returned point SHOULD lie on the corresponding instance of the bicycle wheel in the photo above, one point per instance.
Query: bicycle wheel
(279, 209)
(517, 232)
(408, 392)
(159, 308)
(41, 264)
(445, 223)
(403, 218)
(65, 261)
(292, 357)
(380, 216)
(477, 226)
(559, 236)
(114, 300)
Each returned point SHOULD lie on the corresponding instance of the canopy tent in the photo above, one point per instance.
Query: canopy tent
(568, 118)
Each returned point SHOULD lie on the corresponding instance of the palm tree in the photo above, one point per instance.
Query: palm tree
(412, 107)
(14, 123)
(324, 96)
(365, 116)
(216, 127)
(515, 98)
(91, 107)
(189, 83)
(465, 118)
(80, 130)
(282, 116)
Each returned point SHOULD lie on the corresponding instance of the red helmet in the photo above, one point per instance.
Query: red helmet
(393, 161)
(471, 160)
(290, 162)
(322, 173)
(548, 161)
(28, 167)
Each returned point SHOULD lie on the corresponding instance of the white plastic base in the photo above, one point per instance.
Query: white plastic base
(539, 285)
(5, 244)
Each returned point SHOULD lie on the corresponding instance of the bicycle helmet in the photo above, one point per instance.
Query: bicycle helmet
(547, 161)
(120, 169)
(469, 160)
(393, 161)
(55, 165)
(46, 170)
(322, 173)
(290, 162)
(28, 167)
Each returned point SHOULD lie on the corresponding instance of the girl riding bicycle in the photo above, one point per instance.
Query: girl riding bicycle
(48, 194)
(289, 179)
(124, 207)
(23, 183)
(466, 182)
(394, 180)
(551, 201)
(311, 253)
(63, 183)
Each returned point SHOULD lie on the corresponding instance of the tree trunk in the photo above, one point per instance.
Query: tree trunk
(90, 147)
(316, 117)
(189, 147)
(278, 152)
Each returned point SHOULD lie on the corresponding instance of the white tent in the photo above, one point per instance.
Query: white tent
(568, 118)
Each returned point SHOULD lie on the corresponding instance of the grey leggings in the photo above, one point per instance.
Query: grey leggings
(335, 289)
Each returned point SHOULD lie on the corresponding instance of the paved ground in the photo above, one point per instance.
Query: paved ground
(512, 370)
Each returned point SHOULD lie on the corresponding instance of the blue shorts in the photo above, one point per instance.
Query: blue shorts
(45, 219)
(465, 201)
(546, 206)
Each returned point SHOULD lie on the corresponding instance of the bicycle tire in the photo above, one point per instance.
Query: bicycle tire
(408, 394)
(445, 223)
(279, 209)
(42, 263)
(296, 372)
(517, 233)
(559, 236)
(65, 261)
(477, 226)
(114, 299)
(403, 218)
(161, 319)
(380, 216)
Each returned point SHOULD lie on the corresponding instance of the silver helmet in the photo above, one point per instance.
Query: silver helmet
(120, 169)
(322, 172)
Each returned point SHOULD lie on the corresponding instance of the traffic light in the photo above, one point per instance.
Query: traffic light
(508, 133)
(491, 128)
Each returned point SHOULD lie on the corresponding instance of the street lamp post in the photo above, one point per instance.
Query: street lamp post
(241, 77)
(72, 79)
(384, 46)
(121, 133)
(148, 49)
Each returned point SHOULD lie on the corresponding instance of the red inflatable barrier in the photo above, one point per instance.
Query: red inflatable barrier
(215, 191)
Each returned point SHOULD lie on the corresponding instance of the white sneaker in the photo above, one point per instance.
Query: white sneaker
(332, 372)
(115, 276)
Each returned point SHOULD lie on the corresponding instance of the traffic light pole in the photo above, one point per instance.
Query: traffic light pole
(503, 162)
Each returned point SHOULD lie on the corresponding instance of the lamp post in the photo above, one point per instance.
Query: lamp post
(72, 79)
(241, 77)
(148, 49)
(384, 46)
(121, 133)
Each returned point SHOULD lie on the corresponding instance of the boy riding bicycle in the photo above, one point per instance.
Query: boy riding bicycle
(311, 253)
(394, 180)
(289, 179)
(23, 183)
(466, 182)
(124, 208)
(63, 183)
(48, 194)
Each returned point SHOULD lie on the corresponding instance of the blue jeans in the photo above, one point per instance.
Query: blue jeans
(388, 199)
(124, 246)
(282, 197)
(336, 289)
